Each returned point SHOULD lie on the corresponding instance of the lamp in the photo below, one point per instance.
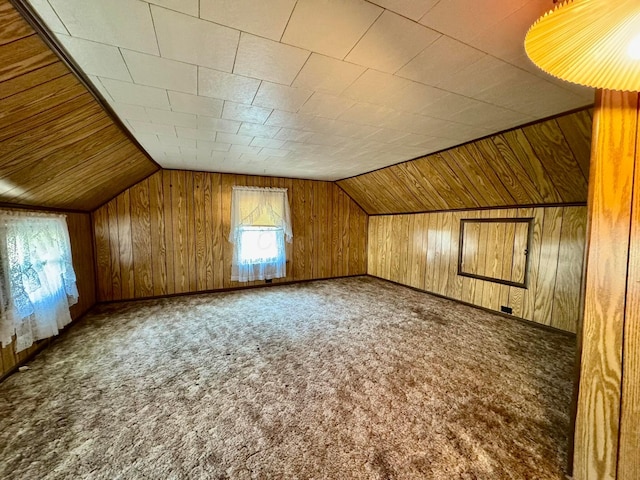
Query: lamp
(595, 43)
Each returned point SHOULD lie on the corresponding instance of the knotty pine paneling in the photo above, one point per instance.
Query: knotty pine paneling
(168, 234)
(421, 250)
(82, 250)
(544, 163)
(59, 148)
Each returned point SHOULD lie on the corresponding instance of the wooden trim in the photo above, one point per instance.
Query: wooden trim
(227, 289)
(474, 209)
(537, 325)
(36, 22)
(44, 209)
(528, 220)
(533, 122)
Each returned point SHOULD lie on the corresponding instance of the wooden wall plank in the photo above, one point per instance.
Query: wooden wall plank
(421, 250)
(158, 235)
(544, 163)
(191, 212)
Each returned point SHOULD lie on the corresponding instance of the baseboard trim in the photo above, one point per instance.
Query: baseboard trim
(484, 309)
(227, 289)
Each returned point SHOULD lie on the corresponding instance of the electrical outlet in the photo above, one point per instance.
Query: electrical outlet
(506, 309)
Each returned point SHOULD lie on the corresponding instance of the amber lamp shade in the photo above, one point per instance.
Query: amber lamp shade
(595, 43)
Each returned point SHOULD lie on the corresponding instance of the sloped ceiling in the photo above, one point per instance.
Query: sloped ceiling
(58, 147)
(319, 89)
(543, 163)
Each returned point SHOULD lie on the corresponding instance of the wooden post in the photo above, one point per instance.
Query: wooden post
(607, 441)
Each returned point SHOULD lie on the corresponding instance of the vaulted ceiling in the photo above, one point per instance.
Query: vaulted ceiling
(540, 164)
(322, 89)
(58, 147)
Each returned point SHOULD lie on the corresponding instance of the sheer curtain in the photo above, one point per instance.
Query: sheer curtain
(38, 283)
(260, 224)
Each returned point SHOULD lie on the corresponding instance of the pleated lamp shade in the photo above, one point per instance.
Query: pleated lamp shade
(595, 43)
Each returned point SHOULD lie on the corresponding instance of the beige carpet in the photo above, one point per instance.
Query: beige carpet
(352, 378)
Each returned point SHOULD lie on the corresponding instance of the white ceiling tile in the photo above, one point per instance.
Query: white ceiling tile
(196, 133)
(171, 118)
(160, 72)
(506, 39)
(190, 7)
(255, 130)
(391, 42)
(218, 124)
(131, 112)
(233, 139)
(183, 102)
(226, 86)
(448, 106)
(487, 72)
(440, 60)
(268, 60)
(326, 105)
(145, 127)
(327, 75)
(279, 118)
(95, 81)
(196, 41)
(245, 149)
(273, 95)
(122, 23)
(456, 19)
(177, 141)
(266, 19)
(148, 140)
(413, 98)
(413, 9)
(49, 16)
(125, 92)
(330, 27)
(368, 114)
(96, 58)
(375, 87)
(245, 113)
(213, 146)
(292, 135)
(267, 142)
(275, 152)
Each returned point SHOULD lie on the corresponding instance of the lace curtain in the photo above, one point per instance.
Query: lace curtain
(37, 281)
(260, 224)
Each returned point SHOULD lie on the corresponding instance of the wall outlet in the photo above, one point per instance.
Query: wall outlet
(506, 309)
(268, 280)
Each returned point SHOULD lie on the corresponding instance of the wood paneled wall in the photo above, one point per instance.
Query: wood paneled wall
(168, 234)
(607, 439)
(421, 250)
(58, 147)
(82, 250)
(543, 163)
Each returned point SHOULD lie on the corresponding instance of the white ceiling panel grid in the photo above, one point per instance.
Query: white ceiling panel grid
(320, 89)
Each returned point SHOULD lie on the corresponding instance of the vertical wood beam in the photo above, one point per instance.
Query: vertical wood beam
(607, 440)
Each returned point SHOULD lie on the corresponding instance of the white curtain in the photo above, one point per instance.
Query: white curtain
(260, 224)
(37, 282)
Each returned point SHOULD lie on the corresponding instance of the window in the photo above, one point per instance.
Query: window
(37, 281)
(260, 224)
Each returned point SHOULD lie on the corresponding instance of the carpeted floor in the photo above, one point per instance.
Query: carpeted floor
(342, 379)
